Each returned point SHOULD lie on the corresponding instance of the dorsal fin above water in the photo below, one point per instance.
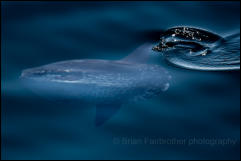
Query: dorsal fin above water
(140, 55)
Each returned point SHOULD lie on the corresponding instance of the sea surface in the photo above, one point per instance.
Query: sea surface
(198, 117)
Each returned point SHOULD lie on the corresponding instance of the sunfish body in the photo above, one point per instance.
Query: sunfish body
(107, 84)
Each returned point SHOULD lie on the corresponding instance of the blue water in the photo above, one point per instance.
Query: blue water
(195, 48)
(197, 118)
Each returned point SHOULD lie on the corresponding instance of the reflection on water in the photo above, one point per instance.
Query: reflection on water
(198, 49)
(201, 105)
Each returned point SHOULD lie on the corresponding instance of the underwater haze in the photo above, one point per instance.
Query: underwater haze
(198, 117)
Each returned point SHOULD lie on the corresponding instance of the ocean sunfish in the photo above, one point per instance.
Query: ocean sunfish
(199, 49)
(105, 83)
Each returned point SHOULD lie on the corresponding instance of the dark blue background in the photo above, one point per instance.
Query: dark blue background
(198, 104)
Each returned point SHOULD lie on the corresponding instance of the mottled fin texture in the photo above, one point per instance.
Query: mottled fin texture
(104, 112)
(140, 55)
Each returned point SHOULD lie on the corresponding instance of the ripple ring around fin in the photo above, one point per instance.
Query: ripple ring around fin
(199, 49)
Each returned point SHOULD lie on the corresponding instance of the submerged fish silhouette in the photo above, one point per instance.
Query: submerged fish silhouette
(108, 84)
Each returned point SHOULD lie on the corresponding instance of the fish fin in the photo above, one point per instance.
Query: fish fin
(141, 54)
(105, 111)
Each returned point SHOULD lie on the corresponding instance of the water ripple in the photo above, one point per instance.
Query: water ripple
(199, 49)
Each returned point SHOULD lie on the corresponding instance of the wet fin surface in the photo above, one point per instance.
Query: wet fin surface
(105, 111)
